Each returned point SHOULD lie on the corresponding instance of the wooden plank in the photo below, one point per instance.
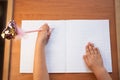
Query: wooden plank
(117, 8)
(7, 44)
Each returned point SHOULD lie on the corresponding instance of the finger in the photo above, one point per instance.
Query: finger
(90, 49)
(91, 44)
(50, 31)
(85, 59)
(95, 50)
(87, 50)
(45, 27)
(48, 34)
(98, 52)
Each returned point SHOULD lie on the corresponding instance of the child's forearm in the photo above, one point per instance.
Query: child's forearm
(102, 74)
(40, 69)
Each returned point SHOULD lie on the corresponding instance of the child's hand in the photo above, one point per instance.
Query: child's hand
(93, 58)
(43, 34)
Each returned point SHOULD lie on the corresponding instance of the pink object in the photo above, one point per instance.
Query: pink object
(21, 33)
(33, 31)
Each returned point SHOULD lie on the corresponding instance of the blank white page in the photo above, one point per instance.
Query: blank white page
(66, 46)
(55, 49)
(80, 32)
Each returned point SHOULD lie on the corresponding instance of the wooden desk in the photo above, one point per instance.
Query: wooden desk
(55, 10)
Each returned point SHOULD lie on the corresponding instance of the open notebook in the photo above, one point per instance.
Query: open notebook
(66, 46)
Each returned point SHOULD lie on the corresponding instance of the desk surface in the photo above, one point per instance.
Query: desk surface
(63, 9)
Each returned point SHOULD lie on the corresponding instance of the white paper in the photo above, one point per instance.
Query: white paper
(66, 46)
(82, 32)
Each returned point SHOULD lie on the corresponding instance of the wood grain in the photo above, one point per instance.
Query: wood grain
(117, 10)
(7, 44)
(63, 9)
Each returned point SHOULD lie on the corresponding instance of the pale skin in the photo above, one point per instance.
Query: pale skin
(40, 69)
(92, 58)
(94, 61)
